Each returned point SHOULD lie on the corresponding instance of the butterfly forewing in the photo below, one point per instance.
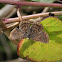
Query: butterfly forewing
(36, 27)
(24, 26)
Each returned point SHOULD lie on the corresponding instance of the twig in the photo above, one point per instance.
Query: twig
(19, 15)
(40, 18)
(31, 16)
(26, 3)
(5, 11)
(11, 13)
(45, 9)
(59, 1)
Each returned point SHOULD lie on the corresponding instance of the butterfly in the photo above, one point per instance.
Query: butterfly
(30, 30)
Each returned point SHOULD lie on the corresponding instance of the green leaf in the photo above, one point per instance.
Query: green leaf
(60, 17)
(53, 27)
(38, 51)
(45, 1)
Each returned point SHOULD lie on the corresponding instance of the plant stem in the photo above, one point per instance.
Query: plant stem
(26, 3)
(19, 15)
(31, 16)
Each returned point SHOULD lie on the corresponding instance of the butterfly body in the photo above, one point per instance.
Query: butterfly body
(30, 30)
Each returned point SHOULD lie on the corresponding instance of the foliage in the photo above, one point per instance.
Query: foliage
(60, 17)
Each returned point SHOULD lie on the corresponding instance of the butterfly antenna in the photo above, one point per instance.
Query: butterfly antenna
(19, 15)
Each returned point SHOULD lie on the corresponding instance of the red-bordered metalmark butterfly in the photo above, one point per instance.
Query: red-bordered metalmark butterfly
(30, 30)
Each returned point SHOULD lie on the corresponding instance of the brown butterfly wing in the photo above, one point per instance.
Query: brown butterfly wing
(37, 34)
(16, 34)
(24, 26)
(41, 36)
(36, 27)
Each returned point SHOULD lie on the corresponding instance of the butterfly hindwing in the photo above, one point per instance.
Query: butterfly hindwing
(16, 34)
(40, 36)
